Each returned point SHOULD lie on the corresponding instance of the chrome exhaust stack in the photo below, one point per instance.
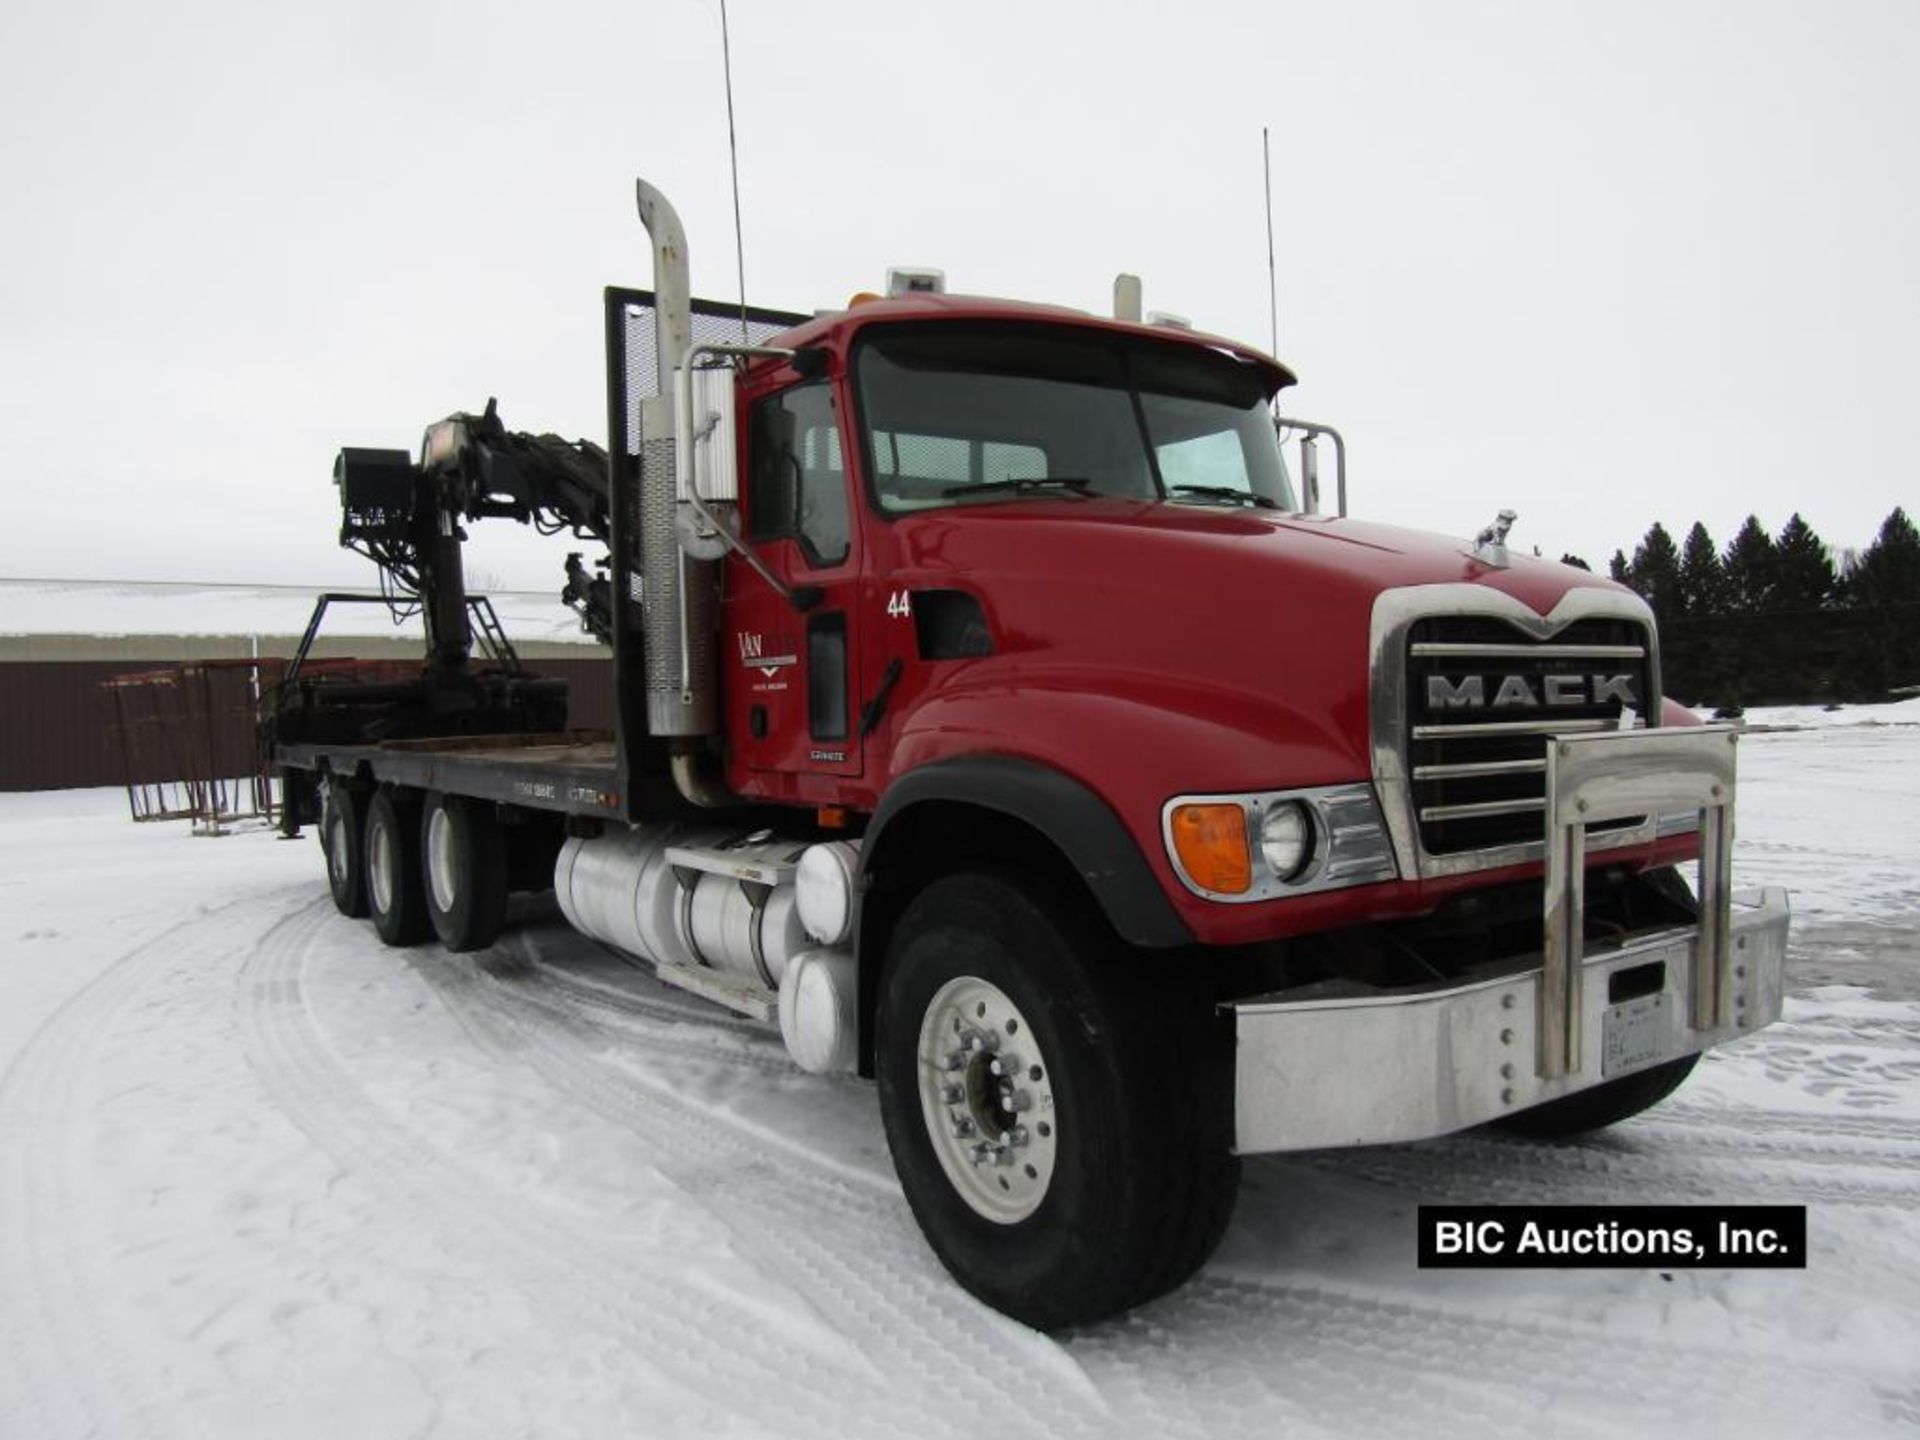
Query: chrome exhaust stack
(672, 284)
(689, 488)
(679, 594)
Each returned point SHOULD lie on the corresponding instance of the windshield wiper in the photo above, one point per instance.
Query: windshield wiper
(1024, 484)
(1227, 492)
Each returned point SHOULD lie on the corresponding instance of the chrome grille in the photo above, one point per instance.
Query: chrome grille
(1483, 695)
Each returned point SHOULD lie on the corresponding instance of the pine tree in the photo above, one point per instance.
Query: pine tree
(1883, 612)
(1703, 580)
(1696, 660)
(1803, 570)
(1655, 572)
(1749, 568)
(1888, 573)
(1617, 568)
(1576, 562)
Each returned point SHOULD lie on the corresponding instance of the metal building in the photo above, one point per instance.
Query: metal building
(60, 639)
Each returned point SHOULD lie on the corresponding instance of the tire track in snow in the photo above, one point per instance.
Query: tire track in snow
(57, 1334)
(322, 1097)
(1888, 1128)
(1883, 1152)
(663, 1027)
(1845, 1030)
(828, 1232)
(1226, 1350)
(1305, 1352)
(697, 1334)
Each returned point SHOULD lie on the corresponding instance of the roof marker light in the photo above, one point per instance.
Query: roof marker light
(916, 282)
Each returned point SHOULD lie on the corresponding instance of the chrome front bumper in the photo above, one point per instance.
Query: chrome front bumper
(1371, 1070)
(1360, 1067)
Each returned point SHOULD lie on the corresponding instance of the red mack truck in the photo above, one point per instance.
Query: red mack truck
(996, 717)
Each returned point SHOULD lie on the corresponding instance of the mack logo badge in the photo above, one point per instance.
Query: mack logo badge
(1519, 692)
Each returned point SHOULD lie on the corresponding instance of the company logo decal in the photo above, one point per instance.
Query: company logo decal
(753, 653)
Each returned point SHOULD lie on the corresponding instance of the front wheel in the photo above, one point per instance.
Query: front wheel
(1058, 1107)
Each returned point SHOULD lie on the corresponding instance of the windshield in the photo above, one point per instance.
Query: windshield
(964, 414)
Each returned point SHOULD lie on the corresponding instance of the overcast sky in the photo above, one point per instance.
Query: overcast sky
(1600, 262)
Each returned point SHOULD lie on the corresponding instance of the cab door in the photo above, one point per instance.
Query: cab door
(791, 681)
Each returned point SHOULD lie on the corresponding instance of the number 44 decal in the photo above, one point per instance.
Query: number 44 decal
(900, 605)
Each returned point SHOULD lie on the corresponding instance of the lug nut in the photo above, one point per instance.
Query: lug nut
(962, 1128)
(953, 1094)
(1017, 1136)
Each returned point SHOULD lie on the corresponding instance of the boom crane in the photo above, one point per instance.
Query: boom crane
(407, 518)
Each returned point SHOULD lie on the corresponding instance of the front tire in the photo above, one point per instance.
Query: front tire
(1058, 1106)
(395, 895)
(463, 857)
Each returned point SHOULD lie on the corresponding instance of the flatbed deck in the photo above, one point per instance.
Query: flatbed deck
(571, 773)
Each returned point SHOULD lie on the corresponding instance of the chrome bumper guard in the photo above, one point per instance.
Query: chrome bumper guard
(1367, 1068)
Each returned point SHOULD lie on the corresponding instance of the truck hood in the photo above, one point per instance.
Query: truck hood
(1096, 551)
(1254, 622)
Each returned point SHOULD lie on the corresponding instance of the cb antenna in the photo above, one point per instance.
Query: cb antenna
(733, 156)
(1273, 295)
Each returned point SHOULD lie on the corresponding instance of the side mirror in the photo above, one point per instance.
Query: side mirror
(1309, 433)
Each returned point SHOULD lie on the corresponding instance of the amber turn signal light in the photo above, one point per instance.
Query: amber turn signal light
(1211, 842)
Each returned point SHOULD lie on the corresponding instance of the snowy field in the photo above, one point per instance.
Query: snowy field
(261, 1177)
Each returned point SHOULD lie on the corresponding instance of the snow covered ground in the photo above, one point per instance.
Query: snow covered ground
(261, 1177)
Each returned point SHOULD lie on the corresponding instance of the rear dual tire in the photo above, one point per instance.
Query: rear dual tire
(396, 894)
(343, 835)
(419, 866)
(463, 857)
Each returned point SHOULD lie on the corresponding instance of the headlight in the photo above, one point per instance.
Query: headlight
(1272, 844)
(1286, 838)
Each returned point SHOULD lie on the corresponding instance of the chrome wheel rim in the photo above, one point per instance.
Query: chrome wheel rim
(986, 1094)
(380, 866)
(440, 858)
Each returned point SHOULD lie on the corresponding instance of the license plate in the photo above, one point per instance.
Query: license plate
(1632, 1034)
